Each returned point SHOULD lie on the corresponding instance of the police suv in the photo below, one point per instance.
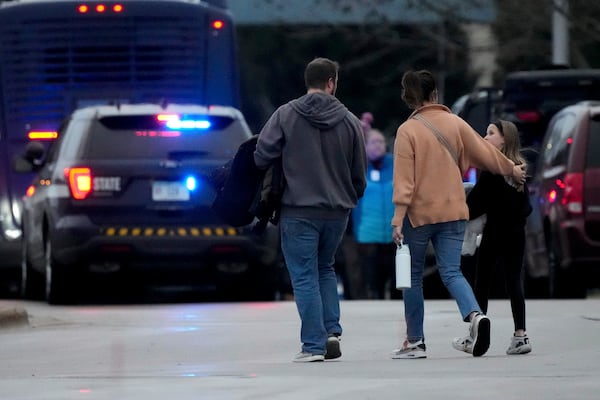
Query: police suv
(125, 190)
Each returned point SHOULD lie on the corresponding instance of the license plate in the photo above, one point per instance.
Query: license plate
(169, 191)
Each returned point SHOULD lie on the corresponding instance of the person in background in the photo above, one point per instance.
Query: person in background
(347, 261)
(366, 121)
(503, 240)
(371, 221)
(433, 149)
(323, 156)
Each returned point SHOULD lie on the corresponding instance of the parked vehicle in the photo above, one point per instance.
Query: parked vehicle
(57, 56)
(125, 190)
(477, 108)
(531, 98)
(563, 232)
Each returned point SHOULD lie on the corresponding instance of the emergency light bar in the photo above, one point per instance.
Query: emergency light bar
(174, 121)
(99, 8)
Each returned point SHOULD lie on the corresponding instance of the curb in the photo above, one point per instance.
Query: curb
(13, 316)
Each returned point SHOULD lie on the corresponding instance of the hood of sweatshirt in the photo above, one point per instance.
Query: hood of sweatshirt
(322, 110)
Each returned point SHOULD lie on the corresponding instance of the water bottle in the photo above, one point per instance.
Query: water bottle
(402, 266)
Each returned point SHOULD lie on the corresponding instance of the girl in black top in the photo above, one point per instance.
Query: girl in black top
(506, 205)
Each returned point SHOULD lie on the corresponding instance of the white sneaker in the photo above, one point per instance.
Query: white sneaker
(463, 344)
(307, 357)
(519, 345)
(410, 350)
(480, 333)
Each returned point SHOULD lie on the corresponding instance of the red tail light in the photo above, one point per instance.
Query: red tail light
(80, 181)
(573, 197)
(30, 191)
(528, 116)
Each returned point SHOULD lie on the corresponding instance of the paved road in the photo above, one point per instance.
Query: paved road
(243, 351)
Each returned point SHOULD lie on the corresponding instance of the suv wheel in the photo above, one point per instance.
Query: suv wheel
(535, 288)
(256, 284)
(563, 282)
(31, 280)
(56, 282)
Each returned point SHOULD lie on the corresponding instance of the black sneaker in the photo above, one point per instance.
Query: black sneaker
(480, 332)
(332, 348)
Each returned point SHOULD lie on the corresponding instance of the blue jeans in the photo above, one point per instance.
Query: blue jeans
(447, 238)
(309, 247)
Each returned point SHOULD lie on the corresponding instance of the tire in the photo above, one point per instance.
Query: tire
(57, 285)
(563, 282)
(32, 287)
(536, 288)
(577, 283)
(553, 262)
(257, 284)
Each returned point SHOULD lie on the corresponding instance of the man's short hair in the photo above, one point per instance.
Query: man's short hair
(319, 71)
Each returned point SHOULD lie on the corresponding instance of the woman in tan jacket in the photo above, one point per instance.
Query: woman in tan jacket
(433, 149)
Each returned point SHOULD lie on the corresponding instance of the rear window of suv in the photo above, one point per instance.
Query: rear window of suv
(146, 137)
(549, 96)
(593, 148)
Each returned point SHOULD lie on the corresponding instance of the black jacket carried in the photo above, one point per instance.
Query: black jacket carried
(245, 192)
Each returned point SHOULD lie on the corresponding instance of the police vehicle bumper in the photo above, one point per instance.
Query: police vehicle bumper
(78, 241)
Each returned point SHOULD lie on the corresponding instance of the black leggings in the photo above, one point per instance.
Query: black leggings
(505, 249)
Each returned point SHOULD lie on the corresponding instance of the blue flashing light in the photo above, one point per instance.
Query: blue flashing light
(191, 183)
(188, 124)
(175, 121)
(472, 175)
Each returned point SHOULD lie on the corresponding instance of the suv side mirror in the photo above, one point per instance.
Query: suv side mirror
(31, 160)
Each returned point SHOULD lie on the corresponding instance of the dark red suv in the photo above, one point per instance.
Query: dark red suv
(563, 232)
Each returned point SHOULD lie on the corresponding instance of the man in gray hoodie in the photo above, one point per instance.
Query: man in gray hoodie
(324, 164)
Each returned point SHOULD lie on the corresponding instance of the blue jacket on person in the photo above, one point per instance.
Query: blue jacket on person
(372, 217)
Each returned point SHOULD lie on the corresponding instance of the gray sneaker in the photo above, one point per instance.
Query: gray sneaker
(463, 344)
(410, 350)
(332, 347)
(519, 345)
(307, 357)
(480, 333)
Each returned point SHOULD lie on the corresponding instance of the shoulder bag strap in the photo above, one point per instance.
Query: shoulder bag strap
(441, 138)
